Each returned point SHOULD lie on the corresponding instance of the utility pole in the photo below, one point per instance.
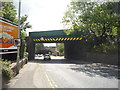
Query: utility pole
(18, 47)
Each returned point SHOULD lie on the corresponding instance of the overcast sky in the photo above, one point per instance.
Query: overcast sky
(44, 14)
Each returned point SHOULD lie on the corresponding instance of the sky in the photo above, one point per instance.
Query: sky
(44, 15)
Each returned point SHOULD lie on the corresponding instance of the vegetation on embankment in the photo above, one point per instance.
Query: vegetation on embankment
(5, 67)
(99, 21)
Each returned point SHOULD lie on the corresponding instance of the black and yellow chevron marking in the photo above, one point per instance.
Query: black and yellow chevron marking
(58, 39)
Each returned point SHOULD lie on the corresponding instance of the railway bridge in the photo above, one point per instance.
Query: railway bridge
(73, 43)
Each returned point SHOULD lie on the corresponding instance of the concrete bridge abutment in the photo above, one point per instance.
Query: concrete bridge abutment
(74, 50)
(30, 48)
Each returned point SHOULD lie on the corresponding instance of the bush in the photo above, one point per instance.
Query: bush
(25, 55)
(7, 73)
(105, 48)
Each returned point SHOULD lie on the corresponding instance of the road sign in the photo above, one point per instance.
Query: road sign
(17, 42)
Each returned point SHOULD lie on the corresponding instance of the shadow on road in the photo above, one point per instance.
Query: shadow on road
(89, 68)
(107, 71)
(60, 61)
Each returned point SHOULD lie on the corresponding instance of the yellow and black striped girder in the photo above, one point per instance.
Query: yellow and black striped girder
(59, 39)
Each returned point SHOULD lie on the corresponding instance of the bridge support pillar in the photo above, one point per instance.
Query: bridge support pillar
(74, 50)
(30, 48)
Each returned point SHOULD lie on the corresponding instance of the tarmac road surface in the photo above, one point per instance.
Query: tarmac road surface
(60, 73)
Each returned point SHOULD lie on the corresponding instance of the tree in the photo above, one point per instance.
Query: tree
(61, 48)
(23, 44)
(24, 25)
(38, 46)
(100, 21)
(7, 10)
(91, 17)
(72, 19)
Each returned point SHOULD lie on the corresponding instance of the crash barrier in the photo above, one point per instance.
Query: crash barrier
(21, 64)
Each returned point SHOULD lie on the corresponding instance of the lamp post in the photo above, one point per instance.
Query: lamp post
(18, 47)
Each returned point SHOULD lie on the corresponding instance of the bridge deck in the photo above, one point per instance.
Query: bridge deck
(54, 36)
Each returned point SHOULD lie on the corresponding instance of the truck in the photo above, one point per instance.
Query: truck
(8, 35)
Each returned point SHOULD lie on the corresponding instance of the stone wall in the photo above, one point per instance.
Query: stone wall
(21, 64)
(74, 50)
(77, 50)
(102, 58)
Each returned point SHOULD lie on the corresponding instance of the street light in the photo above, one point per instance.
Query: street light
(18, 47)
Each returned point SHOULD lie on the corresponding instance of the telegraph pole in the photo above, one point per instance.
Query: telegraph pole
(18, 47)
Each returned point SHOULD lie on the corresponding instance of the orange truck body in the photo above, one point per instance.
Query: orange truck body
(8, 32)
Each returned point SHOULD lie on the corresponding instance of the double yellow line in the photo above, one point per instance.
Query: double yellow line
(52, 83)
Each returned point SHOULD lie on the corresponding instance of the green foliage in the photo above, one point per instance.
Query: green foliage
(105, 48)
(99, 21)
(23, 23)
(61, 48)
(7, 73)
(72, 19)
(26, 55)
(95, 19)
(38, 46)
(8, 11)
(23, 44)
